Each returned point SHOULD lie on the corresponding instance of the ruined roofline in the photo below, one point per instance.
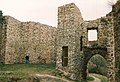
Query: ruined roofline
(70, 8)
(67, 5)
(40, 24)
(95, 20)
(8, 16)
(116, 8)
(70, 5)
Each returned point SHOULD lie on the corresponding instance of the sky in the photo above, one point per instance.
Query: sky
(45, 11)
(92, 35)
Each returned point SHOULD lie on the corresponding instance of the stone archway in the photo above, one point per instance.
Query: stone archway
(97, 64)
(88, 54)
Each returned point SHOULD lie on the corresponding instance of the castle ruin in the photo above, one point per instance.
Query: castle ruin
(67, 45)
(74, 50)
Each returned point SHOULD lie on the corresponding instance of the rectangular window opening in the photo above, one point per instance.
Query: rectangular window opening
(92, 35)
(81, 43)
(64, 56)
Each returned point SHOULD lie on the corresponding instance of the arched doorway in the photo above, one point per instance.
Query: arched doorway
(88, 54)
(97, 65)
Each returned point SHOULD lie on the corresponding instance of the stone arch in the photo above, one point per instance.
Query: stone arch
(88, 53)
(102, 59)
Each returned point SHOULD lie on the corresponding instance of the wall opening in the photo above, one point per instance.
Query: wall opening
(94, 62)
(81, 43)
(64, 55)
(27, 59)
(92, 34)
(97, 65)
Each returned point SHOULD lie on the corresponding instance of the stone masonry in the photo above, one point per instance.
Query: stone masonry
(116, 14)
(28, 38)
(67, 45)
(2, 38)
(74, 50)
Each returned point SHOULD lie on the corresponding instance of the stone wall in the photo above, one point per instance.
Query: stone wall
(116, 14)
(71, 27)
(69, 32)
(42, 43)
(12, 39)
(2, 38)
(101, 26)
(29, 38)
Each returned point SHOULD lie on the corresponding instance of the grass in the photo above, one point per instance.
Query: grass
(10, 72)
(101, 77)
(89, 78)
(23, 70)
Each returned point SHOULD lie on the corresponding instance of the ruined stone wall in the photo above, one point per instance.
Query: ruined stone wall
(29, 38)
(12, 40)
(105, 39)
(110, 50)
(2, 38)
(101, 27)
(38, 41)
(116, 14)
(70, 28)
(69, 32)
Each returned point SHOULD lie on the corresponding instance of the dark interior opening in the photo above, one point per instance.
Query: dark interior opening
(64, 55)
(27, 57)
(81, 43)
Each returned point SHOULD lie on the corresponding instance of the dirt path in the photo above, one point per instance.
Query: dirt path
(96, 79)
(45, 75)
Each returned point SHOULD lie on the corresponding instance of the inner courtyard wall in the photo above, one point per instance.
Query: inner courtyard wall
(2, 38)
(116, 14)
(29, 38)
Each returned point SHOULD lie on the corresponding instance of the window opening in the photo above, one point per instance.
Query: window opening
(81, 43)
(64, 55)
(92, 35)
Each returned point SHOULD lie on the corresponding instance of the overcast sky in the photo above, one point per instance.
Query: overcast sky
(45, 11)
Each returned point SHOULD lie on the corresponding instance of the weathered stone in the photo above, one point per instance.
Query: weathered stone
(71, 27)
(68, 42)
(27, 38)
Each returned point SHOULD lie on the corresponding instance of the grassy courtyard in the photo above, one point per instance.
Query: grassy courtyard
(23, 70)
(26, 70)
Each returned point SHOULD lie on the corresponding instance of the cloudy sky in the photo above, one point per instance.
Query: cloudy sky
(45, 11)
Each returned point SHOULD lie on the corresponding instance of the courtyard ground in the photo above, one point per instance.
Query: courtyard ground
(21, 71)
